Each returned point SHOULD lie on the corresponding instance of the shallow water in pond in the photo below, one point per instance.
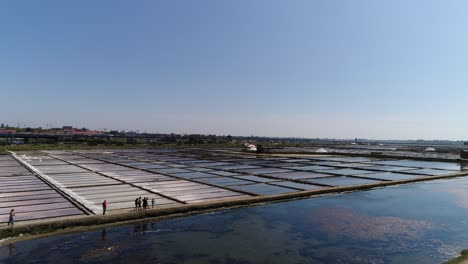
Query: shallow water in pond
(415, 223)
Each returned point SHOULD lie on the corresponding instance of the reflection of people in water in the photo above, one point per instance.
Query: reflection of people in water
(140, 228)
(137, 228)
(103, 234)
(10, 249)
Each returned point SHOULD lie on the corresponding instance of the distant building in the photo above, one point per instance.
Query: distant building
(464, 154)
(5, 131)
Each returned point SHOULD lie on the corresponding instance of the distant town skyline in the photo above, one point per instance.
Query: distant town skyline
(312, 69)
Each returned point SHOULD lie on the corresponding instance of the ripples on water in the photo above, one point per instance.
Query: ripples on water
(417, 223)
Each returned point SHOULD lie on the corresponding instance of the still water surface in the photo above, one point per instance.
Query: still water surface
(415, 223)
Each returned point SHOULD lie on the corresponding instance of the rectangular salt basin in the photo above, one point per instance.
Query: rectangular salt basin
(260, 162)
(327, 163)
(27, 193)
(262, 170)
(341, 181)
(388, 168)
(255, 178)
(298, 160)
(37, 207)
(264, 189)
(422, 164)
(225, 181)
(145, 179)
(162, 189)
(23, 202)
(345, 159)
(75, 176)
(350, 172)
(87, 161)
(205, 196)
(284, 165)
(6, 188)
(433, 172)
(176, 192)
(61, 169)
(296, 175)
(85, 184)
(309, 167)
(103, 189)
(214, 164)
(199, 169)
(128, 195)
(170, 171)
(132, 163)
(352, 165)
(197, 162)
(13, 182)
(46, 163)
(224, 173)
(174, 183)
(13, 170)
(22, 178)
(300, 186)
(10, 163)
(20, 216)
(25, 189)
(174, 165)
(104, 167)
(393, 176)
(194, 175)
(236, 167)
(208, 189)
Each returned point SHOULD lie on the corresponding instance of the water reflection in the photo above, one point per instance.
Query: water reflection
(418, 223)
(103, 234)
(140, 228)
(340, 222)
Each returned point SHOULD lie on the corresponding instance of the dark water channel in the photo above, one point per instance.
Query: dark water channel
(415, 223)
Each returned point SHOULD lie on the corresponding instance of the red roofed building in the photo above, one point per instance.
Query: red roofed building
(3, 131)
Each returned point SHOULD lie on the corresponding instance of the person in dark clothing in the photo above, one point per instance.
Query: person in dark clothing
(104, 207)
(145, 203)
(11, 219)
(152, 203)
(139, 203)
(136, 203)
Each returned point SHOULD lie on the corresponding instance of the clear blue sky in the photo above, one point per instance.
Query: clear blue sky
(339, 69)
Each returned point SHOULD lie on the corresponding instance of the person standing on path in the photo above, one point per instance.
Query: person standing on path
(104, 207)
(136, 203)
(152, 203)
(145, 203)
(11, 219)
(139, 203)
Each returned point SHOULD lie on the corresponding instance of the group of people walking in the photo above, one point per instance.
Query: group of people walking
(140, 204)
(143, 204)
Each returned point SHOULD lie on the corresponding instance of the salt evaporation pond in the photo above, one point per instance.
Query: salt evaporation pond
(415, 223)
